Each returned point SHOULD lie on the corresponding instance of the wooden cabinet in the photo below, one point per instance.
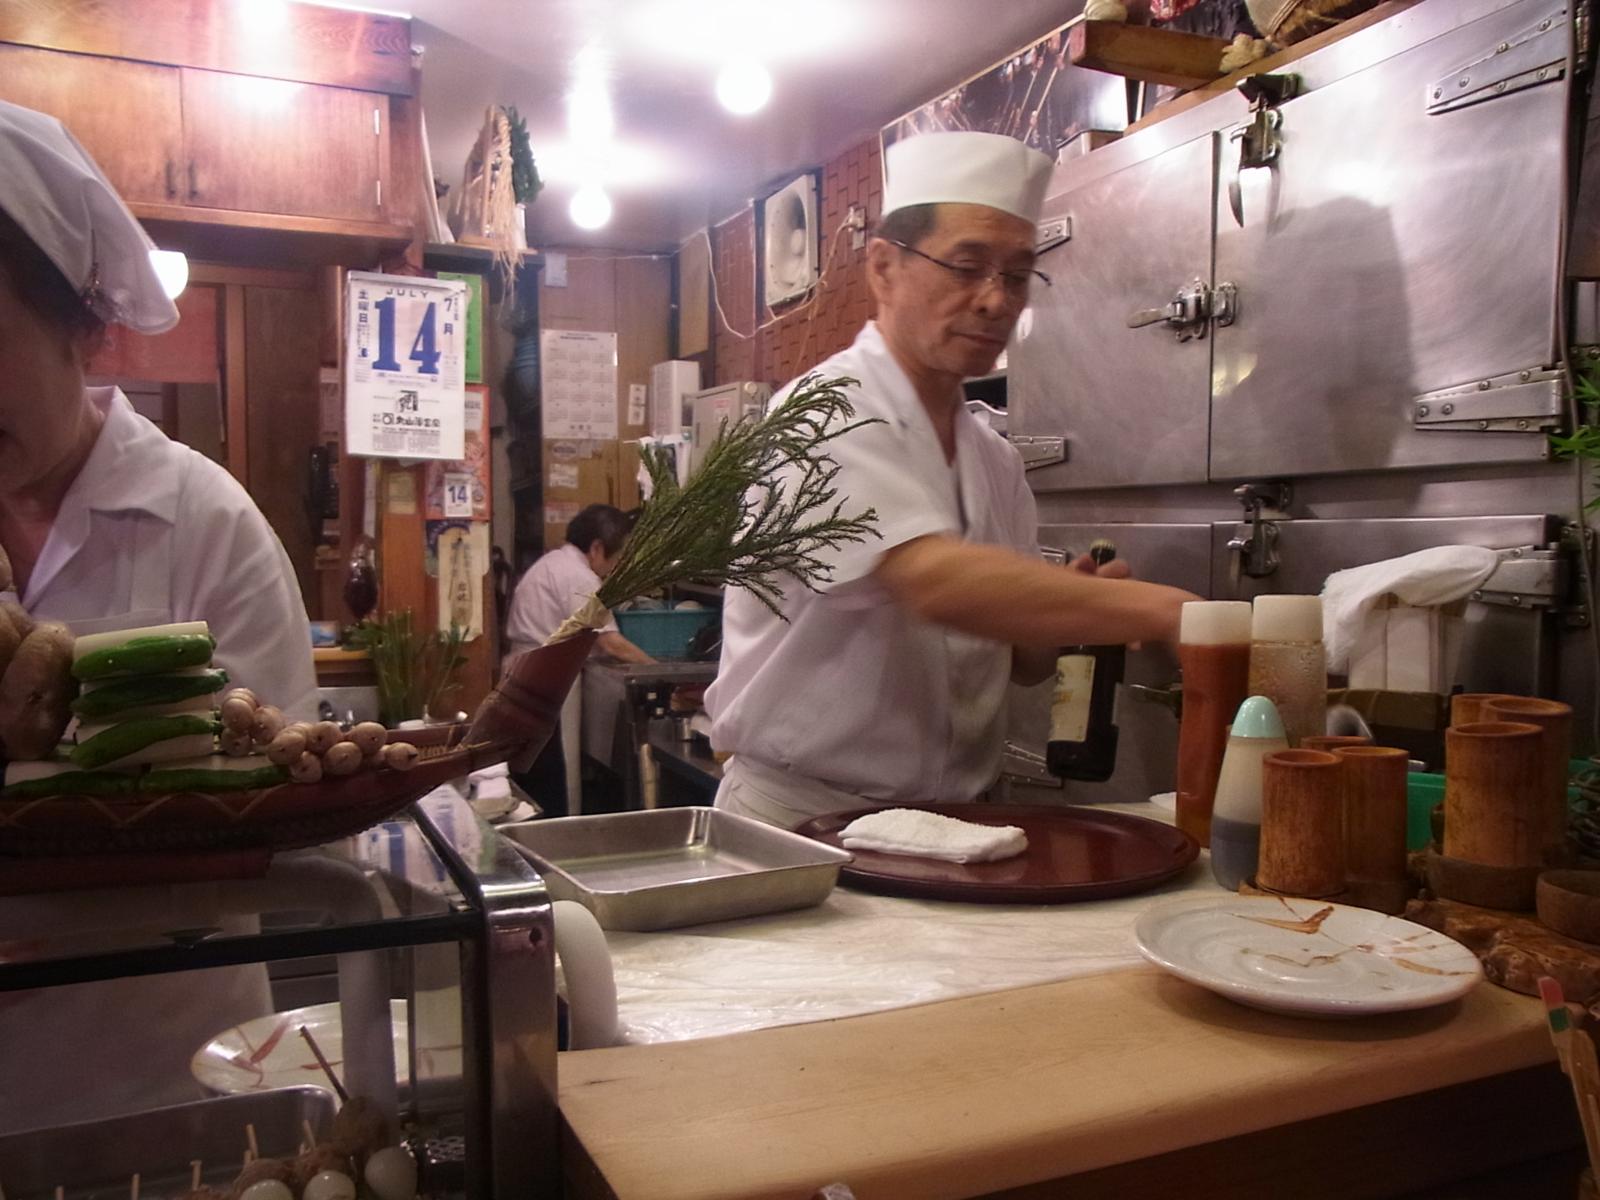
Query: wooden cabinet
(268, 145)
(128, 115)
(188, 139)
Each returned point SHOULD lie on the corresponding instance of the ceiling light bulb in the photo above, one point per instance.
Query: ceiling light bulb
(172, 269)
(743, 87)
(590, 207)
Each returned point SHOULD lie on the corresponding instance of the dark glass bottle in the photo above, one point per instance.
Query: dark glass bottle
(1083, 712)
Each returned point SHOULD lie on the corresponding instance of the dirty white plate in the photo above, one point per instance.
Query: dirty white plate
(269, 1052)
(1310, 957)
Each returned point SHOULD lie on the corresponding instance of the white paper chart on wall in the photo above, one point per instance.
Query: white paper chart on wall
(578, 384)
(405, 366)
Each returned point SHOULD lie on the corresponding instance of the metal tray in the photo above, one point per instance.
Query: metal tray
(96, 1160)
(665, 867)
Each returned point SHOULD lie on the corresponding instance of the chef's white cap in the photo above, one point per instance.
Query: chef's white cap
(52, 189)
(966, 168)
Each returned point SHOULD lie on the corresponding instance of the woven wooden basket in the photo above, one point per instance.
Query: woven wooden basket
(1289, 21)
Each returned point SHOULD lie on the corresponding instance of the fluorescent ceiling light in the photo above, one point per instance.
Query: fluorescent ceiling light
(590, 207)
(717, 31)
(616, 165)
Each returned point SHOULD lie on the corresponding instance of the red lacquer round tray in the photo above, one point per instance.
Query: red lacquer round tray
(1073, 854)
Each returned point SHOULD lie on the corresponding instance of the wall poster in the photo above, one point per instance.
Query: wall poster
(578, 385)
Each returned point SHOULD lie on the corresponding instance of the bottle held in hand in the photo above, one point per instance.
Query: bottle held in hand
(1083, 711)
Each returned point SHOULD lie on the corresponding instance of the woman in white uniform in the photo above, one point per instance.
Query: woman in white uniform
(109, 525)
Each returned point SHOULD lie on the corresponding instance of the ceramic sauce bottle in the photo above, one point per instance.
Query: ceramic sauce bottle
(1257, 731)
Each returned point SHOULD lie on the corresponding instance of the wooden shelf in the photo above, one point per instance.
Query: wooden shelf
(1167, 56)
(468, 257)
(269, 238)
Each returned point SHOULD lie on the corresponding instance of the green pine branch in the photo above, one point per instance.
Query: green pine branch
(763, 504)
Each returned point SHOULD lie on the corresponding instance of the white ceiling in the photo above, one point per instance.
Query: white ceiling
(842, 69)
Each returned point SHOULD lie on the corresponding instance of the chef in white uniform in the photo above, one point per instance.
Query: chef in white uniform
(886, 686)
(110, 525)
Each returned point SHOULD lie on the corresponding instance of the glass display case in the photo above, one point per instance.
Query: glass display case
(434, 939)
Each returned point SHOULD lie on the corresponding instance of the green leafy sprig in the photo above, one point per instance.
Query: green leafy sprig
(417, 669)
(762, 504)
(1584, 441)
(525, 181)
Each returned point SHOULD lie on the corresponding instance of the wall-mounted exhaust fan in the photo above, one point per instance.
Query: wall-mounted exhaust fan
(789, 221)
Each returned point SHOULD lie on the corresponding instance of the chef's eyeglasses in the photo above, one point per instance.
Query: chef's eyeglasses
(974, 276)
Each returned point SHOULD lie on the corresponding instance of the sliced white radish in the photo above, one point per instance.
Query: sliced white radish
(191, 745)
(90, 642)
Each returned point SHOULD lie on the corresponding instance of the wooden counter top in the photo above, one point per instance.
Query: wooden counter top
(972, 1096)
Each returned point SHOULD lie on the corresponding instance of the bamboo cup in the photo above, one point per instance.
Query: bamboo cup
(1493, 794)
(1302, 823)
(1467, 707)
(1333, 742)
(1375, 812)
(1554, 719)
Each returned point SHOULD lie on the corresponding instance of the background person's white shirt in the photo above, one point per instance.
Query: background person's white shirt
(853, 692)
(549, 592)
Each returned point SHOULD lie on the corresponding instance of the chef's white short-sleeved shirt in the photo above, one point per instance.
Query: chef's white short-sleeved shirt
(852, 691)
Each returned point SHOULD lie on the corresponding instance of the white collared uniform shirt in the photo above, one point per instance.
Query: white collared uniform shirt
(153, 532)
(549, 592)
(150, 532)
(852, 692)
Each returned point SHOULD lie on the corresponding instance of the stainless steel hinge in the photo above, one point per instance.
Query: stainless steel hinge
(1254, 546)
(1529, 401)
(1052, 234)
(1192, 309)
(1582, 31)
(1040, 451)
(1527, 577)
(1533, 56)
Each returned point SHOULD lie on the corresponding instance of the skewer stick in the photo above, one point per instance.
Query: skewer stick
(305, 1125)
(344, 1096)
(250, 1138)
(133, 1188)
(194, 1174)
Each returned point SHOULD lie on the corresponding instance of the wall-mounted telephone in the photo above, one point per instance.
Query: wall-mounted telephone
(322, 488)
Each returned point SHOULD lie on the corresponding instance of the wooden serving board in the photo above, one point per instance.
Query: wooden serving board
(1516, 949)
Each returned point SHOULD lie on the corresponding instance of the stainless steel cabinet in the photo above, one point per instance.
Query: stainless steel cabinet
(1401, 243)
(1390, 251)
(1132, 403)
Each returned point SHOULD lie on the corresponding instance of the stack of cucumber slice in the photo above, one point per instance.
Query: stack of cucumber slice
(147, 721)
(147, 696)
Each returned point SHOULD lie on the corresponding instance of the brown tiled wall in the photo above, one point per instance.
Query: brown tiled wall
(802, 335)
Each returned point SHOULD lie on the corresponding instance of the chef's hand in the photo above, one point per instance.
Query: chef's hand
(1115, 569)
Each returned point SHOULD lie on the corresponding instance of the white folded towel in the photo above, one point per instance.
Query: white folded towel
(1424, 579)
(932, 835)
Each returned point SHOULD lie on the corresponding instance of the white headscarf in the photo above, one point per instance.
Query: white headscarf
(52, 189)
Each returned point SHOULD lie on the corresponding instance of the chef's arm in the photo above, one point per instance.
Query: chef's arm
(617, 646)
(992, 592)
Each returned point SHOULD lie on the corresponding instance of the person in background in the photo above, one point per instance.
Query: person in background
(887, 685)
(549, 592)
(109, 525)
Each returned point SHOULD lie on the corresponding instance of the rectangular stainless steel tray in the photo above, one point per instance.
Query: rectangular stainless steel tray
(665, 867)
(96, 1160)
